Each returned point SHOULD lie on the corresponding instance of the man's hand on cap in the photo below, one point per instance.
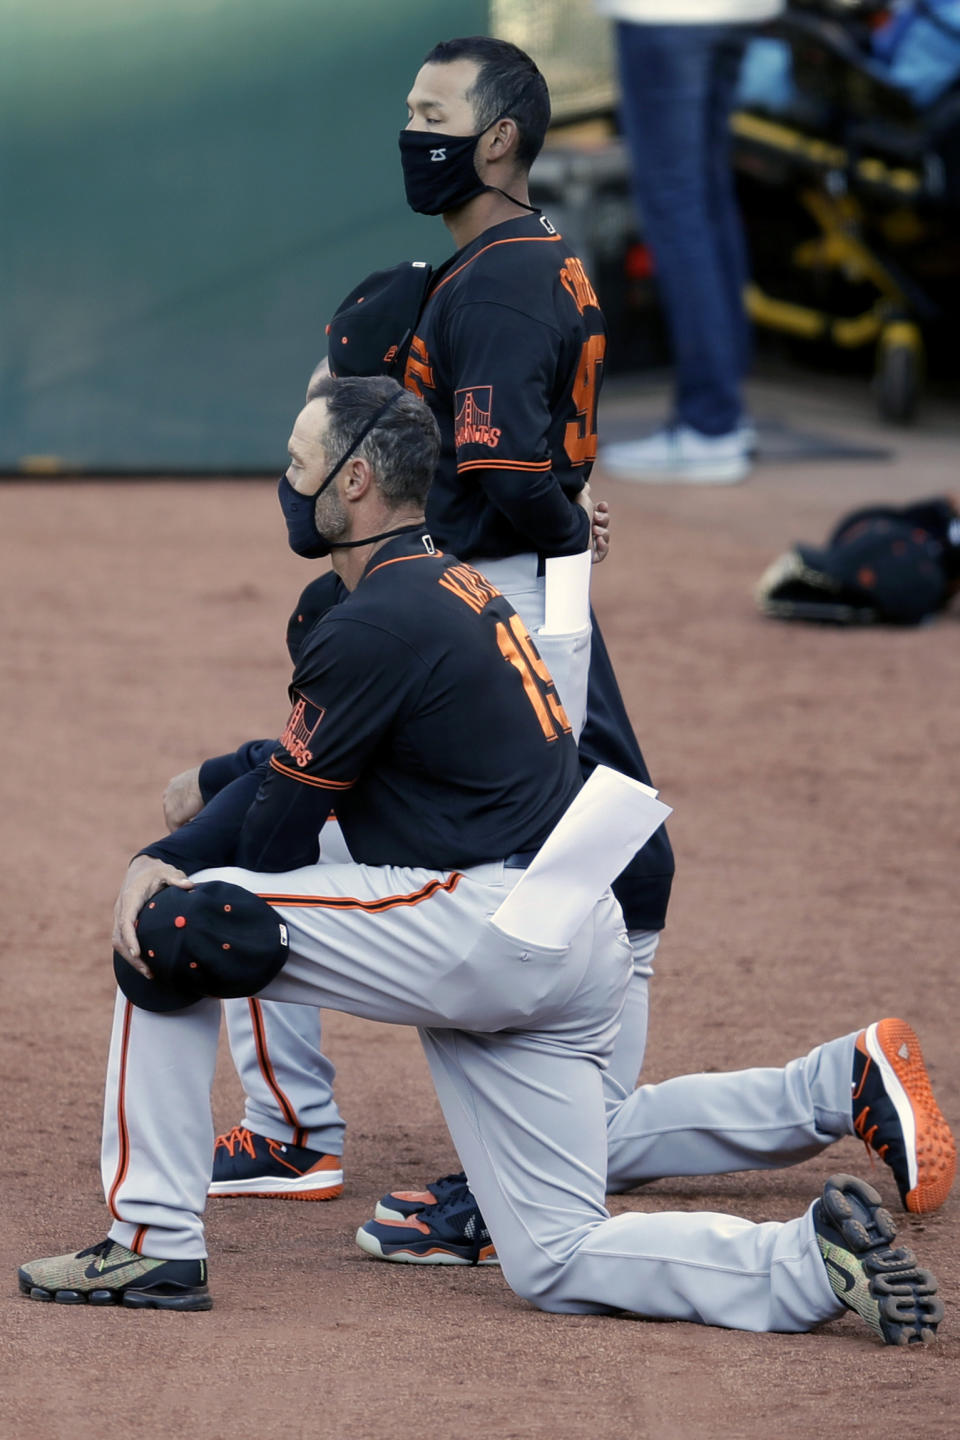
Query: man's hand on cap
(144, 877)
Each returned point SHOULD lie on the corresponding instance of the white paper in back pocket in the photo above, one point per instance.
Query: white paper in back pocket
(605, 825)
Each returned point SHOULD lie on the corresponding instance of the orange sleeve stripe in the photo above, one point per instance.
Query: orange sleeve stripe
(517, 240)
(538, 465)
(310, 779)
(371, 907)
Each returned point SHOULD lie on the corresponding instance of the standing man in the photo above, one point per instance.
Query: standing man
(508, 355)
(420, 702)
(679, 61)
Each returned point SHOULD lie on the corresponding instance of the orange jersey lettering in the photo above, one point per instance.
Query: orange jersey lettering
(419, 371)
(298, 734)
(474, 408)
(469, 586)
(575, 280)
(580, 435)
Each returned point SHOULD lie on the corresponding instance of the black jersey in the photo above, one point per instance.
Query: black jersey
(423, 713)
(322, 592)
(508, 354)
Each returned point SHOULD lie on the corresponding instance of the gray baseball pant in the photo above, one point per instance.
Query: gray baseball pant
(521, 1091)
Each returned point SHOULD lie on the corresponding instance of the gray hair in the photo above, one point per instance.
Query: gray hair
(402, 448)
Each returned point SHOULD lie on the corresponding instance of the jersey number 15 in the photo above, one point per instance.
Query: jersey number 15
(517, 647)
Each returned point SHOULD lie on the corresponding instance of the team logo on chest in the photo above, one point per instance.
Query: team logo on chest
(301, 728)
(473, 410)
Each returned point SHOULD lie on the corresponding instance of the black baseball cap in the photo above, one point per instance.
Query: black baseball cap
(371, 329)
(315, 600)
(938, 516)
(885, 567)
(216, 939)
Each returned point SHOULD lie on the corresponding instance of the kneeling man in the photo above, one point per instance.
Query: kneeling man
(422, 708)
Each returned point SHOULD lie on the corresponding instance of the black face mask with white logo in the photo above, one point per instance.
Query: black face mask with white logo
(438, 170)
(439, 174)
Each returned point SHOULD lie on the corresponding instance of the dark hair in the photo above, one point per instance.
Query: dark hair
(507, 83)
(404, 444)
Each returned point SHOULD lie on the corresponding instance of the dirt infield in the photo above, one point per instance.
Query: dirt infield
(814, 775)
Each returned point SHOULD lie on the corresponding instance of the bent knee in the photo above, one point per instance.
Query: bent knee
(230, 874)
(548, 1284)
(555, 1300)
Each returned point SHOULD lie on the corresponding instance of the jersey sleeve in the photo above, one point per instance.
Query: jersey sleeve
(314, 601)
(219, 770)
(504, 373)
(210, 838)
(222, 835)
(352, 681)
(347, 693)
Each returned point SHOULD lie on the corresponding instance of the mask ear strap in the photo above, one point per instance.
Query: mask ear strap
(386, 535)
(370, 425)
(534, 209)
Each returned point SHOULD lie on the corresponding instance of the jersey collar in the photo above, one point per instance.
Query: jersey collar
(521, 227)
(415, 545)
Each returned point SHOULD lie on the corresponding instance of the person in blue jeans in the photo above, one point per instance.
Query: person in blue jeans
(679, 61)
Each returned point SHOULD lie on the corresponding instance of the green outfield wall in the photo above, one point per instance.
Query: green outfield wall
(187, 188)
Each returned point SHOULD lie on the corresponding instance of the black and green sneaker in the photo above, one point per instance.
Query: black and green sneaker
(885, 1287)
(110, 1274)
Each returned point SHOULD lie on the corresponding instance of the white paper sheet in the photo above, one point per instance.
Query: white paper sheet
(567, 594)
(607, 823)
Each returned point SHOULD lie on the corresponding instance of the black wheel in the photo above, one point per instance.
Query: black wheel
(899, 374)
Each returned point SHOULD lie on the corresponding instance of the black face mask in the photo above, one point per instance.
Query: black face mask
(300, 511)
(305, 539)
(439, 173)
(438, 170)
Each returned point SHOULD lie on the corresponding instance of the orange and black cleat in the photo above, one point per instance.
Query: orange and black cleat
(452, 1232)
(401, 1204)
(246, 1164)
(896, 1116)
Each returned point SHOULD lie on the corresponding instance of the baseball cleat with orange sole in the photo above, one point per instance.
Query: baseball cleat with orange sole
(896, 1115)
(449, 1233)
(401, 1204)
(250, 1165)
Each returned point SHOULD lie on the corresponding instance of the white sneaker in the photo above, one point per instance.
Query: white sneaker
(680, 455)
(747, 431)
